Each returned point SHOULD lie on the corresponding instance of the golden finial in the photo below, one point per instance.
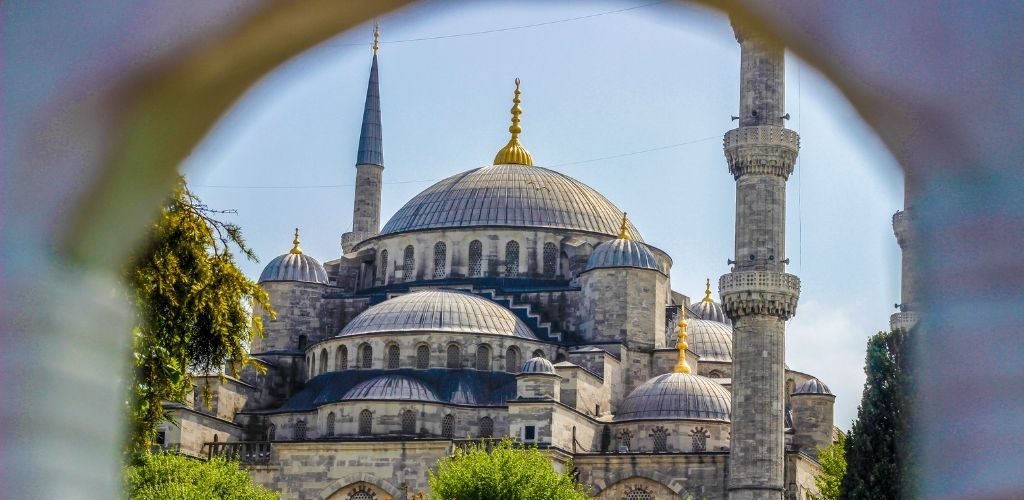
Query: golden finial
(682, 366)
(707, 292)
(295, 249)
(376, 37)
(624, 228)
(514, 153)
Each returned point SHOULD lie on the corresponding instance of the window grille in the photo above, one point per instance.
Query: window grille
(512, 259)
(394, 355)
(448, 426)
(408, 422)
(625, 438)
(715, 374)
(486, 427)
(660, 436)
(423, 357)
(341, 358)
(454, 357)
(538, 353)
(362, 493)
(330, 424)
(512, 363)
(550, 260)
(638, 493)
(409, 264)
(384, 267)
(483, 357)
(300, 430)
(476, 257)
(700, 439)
(440, 259)
(365, 423)
(366, 356)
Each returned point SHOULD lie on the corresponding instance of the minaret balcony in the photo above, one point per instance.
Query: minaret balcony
(761, 149)
(901, 221)
(903, 321)
(759, 293)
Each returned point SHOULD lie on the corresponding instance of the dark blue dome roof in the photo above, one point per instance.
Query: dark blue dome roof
(538, 365)
(391, 387)
(812, 386)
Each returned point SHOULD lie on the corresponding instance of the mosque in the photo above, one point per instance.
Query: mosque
(513, 300)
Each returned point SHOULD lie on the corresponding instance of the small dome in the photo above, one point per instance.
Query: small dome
(812, 386)
(710, 340)
(538, 365)
(708, 310)
(294, 267)
(438, 311)
(622, 252)
(677, 395)
(391, 388)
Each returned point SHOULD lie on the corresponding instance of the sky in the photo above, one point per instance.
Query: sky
(631, 98)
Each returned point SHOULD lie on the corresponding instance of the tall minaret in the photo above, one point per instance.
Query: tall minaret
(902, 225)
(369, 164)
(758, 295)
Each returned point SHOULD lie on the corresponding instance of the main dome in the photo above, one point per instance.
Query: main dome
(509, 196)
(438, 311)
(677, 395)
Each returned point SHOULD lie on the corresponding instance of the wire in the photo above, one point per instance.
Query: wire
(631, 153)
(499, 30)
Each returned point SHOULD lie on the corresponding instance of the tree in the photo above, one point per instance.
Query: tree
(161, 476)
(833, 469)
(194, 308)
(506, 472)
(878, 447)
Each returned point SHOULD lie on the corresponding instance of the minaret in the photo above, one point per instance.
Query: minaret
(369, 164)
(758, 295)
(902, 226)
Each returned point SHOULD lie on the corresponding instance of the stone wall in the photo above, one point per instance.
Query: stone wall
(194, 429)
(625, 305)
(812, 422)
(675, 475)
(300, 313)
(583, 391)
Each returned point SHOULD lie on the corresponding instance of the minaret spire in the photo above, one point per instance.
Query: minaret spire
(295, 248)
(514, 153)
(707, 292)
(682, 366)
(624, 228)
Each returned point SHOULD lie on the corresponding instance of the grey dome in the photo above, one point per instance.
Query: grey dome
(538, 365)
(438, 311)
(812, 386)
(710, 340)
(622, 252)
(510, 196)
(392, 388)
(677, 395)
(294, 267)
(709, 310)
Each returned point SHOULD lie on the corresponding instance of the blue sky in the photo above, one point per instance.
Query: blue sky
(598, 88)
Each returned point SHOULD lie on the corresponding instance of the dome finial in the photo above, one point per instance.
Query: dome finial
(376, 37)
(707, 292)
(295, 249)
(624, 228)
(682, 366)
(514, 153)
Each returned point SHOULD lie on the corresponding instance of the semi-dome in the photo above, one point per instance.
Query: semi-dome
(677, 395)
(708, 309)
(538, 365)
(294, 266)
(391, 388)
(622, 252)
(812, 386)
(710, 340)
(438, 311)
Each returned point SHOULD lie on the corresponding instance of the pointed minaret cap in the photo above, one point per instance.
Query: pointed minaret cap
(624, 228)
(707, 292)
(295, 249)
(514, 153)
(371, 147)
(682, 366)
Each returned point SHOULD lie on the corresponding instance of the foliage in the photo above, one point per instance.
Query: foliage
(194, 308)
(833, 469)
(507, 472)
(168, 477)
(878, 447)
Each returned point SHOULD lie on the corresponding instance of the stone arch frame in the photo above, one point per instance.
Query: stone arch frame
(512, 257)
(539, 353)
(513, 359)
(409, 263)
(364, 422)
(448, 426)
(475, 268)
(323, 361)
(659, 437)
(360, 477)
(615, 477)
(329, 425)
(392, 356)
(549, 261)
(440, 263)
(714, 374)
(638, 489)
(484, 355)
(383, 266)
(453, 354)
(407, 421)
(365, 353)
(485, 427)
(341, 358)
(422, 362)
(624, 438)
(699, 437)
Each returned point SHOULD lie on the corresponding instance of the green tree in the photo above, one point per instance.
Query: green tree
(833, 469)
(162, 476)
(506, 472)
(194, 308)
(878, 447)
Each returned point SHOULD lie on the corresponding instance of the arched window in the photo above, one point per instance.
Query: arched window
(323, 361)
(512, 362)
(408, 422)
(476, 257)
(362, 492)
(271, 432)
(625, 439)
(606, 438)
(365, 423)
(330, 424)
(660, 437)
(454, 357)
(486, 427)
(637, 493)
(341, 358)
(483, 357)
(383, 267)
(714, 374)
(550, 260)
(448, 426)
(409, 264)
(440, 259)
(365, 356)
(512, 259)
(394, 356)
(423, 357)
(300, 430)
(700, 439)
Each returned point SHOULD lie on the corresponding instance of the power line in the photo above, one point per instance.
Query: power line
(499, 30)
